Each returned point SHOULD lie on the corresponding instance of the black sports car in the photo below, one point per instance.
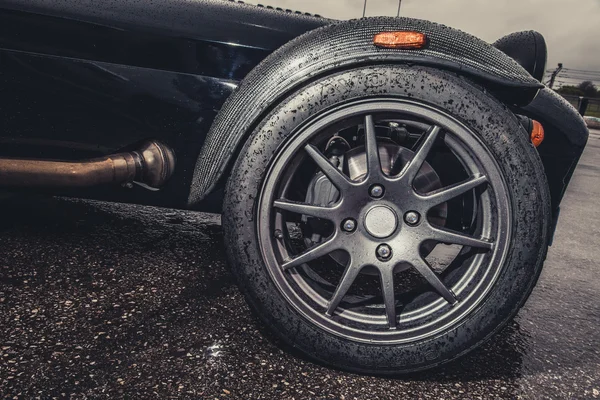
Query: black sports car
(389, 186)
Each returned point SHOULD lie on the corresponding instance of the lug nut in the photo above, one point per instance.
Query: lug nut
(384, 252)
(412, 218)
(349, 225)
(376, 191)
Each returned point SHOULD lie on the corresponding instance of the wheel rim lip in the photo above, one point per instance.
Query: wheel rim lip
(294, 143)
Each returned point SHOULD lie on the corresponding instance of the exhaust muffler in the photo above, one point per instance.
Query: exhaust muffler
(152, 164)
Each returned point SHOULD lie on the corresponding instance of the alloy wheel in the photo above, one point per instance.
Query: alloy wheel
(382, 225)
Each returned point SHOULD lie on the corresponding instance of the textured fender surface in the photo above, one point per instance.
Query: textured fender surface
(566, 137)
(555, 111)
(528, 48)
(334, 47)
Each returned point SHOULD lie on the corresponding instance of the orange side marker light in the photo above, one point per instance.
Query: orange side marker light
(400, 40)
(537, 133)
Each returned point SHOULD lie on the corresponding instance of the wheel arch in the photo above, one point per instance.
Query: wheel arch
(341, 46)
(566, 135)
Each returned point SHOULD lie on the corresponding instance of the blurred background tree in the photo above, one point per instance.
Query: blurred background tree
(585, 88)
(588, 89)
(570, 91)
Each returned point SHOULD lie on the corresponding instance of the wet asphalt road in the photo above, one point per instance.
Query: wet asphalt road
(102, 300)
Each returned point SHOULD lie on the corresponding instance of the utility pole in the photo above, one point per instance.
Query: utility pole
(554, 74)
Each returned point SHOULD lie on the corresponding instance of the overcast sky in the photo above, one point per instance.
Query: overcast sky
(571, 28)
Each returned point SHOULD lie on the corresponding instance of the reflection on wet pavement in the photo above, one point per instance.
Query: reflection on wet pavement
(105, 300)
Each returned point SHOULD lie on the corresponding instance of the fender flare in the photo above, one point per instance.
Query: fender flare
(566, 136)
(339, 46)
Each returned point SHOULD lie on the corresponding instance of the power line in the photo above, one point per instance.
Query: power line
(582, 70)
(577, 72)
(580, 77)
(572, 73)
(576, 77)
(571, 82)
(581, 73)
(571, 76)
(576, 81)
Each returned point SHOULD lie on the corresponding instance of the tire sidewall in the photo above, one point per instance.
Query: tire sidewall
(495, 126)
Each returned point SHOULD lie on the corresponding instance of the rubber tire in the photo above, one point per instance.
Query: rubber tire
(499, 130)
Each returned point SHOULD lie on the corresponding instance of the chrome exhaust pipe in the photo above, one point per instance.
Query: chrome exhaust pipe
(152, 164)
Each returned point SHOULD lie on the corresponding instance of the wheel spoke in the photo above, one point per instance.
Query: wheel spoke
(348, 278)
(373, 163)
(432, 277)
(389, 298)
(449, 237)
(335, 175)
(311, 254)
(413, 167)
(305, 209)
(450, 192)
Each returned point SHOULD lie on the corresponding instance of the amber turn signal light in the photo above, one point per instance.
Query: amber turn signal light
(400, 40)
(537, 133)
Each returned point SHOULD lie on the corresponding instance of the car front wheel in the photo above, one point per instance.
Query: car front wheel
(387, 219)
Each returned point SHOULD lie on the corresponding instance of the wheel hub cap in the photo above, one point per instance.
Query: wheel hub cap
(381, 222)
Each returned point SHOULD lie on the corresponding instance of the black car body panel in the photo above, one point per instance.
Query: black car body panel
(205, 37)
(80, 78)
(566, 137)
(62, 108)
(101, 76)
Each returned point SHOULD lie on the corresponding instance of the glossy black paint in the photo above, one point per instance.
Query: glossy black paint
(80, 79)
(217, 21)
(53, 107)
(83, 40)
